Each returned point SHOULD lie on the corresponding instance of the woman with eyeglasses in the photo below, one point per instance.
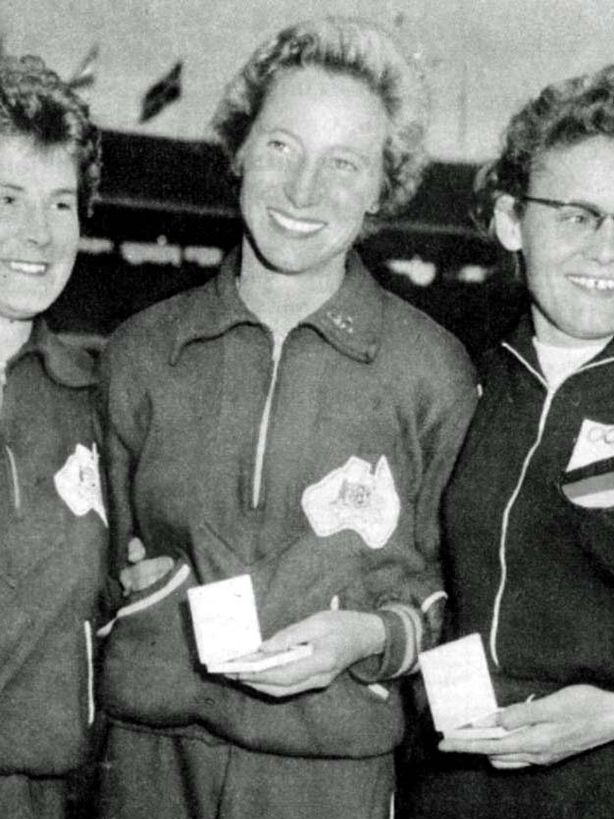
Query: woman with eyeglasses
(529, 514)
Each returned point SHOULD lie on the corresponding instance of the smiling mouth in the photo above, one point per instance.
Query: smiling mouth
(303, 227)
(27, 268)
(593, 283)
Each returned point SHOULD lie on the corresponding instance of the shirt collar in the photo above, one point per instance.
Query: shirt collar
(521, 341)
(66, 364)
(351, 320)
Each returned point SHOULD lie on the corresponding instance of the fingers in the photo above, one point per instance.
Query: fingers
(145, 573)
(505, 763)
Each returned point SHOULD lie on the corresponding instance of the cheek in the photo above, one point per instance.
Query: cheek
(350, 205)
(66, 239)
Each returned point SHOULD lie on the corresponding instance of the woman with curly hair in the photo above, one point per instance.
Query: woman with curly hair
(292, 421)
(53, 536)
(529, 511)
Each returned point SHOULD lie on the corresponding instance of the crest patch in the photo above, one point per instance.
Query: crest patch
(354, 497)
(595, 442)
(78, 483)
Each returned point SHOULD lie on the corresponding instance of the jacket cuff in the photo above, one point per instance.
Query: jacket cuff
(403, 626)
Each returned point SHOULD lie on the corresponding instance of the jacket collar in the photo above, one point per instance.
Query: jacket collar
(351, 320)
(66, 364)
(520, 341)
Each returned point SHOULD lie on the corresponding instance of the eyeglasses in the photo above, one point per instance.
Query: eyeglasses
(575, 221)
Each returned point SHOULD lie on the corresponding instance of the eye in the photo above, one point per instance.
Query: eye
(578, 216)
(65, 205)
(7, 199)
(278, 146)
(340, 163)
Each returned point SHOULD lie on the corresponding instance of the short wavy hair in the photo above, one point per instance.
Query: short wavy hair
(348, 46)
(36, 103)
(564, 114)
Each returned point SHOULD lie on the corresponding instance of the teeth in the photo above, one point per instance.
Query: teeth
(296, 225)
(593, 283)
(31, 268)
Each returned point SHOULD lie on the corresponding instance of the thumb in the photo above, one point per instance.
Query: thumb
(136, 550)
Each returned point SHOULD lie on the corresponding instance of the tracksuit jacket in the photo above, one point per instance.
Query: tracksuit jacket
(369, 401)
(53, 547)
(529, 549)
(530, 523)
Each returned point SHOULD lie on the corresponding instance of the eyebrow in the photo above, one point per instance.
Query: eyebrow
(54, 192)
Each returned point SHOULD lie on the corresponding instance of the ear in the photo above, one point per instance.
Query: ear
(507, 223)
(236, 164)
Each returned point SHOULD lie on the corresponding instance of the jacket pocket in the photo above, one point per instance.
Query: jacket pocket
(151, 671)
(46, 709)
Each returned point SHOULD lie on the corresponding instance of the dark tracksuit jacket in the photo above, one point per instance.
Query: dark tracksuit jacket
(53, 547)
(369, 403)
(530, 552)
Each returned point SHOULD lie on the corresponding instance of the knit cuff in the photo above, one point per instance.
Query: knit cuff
(403, 626)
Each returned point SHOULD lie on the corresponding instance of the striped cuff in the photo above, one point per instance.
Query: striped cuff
(403, 626)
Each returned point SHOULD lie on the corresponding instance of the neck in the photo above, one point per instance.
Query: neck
(282, 300)
(13, 335)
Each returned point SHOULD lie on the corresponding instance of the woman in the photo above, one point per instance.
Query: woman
(291, 421)
(54, 528)
(529, 510)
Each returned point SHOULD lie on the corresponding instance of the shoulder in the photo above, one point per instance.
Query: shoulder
(150, 334)
(416, 340)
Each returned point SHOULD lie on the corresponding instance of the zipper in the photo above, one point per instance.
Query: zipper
(525, 466)
(505, 522)
(2, 382)
(263, 429)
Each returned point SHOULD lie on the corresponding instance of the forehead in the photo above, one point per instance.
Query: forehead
(584, 171)
(313, 102)
(25, 163)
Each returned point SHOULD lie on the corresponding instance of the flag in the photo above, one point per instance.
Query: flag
(162, 93)
(85, 74)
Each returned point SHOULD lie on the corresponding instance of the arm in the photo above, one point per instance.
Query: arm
(383, 643)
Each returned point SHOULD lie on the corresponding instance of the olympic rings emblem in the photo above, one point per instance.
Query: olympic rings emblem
(601, 435)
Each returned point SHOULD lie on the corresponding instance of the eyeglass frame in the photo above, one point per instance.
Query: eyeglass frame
(557, 204)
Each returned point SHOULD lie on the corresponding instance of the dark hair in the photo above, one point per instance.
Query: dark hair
(34, 102)
(346, 46)
(564, 114)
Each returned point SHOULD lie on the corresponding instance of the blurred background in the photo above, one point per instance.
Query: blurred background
(153, 71)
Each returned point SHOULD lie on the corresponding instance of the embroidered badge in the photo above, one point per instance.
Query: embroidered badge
(78, 482)
(596, 492)
(353, 497)
(595, 442)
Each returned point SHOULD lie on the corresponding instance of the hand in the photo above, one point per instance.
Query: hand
(547, 730)
(144, 572)
(339, 639)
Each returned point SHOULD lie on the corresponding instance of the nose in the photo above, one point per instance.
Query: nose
(302, 184)
(35, 225)
(603, 248)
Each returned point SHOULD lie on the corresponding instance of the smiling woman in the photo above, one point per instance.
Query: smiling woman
(53, 534)
(292, 421)
(530, 509)
(39, 225)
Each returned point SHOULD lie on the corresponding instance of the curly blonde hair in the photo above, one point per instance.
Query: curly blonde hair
(563, 114)
(348, 46)
(36, 103)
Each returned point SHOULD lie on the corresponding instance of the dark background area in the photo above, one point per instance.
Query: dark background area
(167, 193)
